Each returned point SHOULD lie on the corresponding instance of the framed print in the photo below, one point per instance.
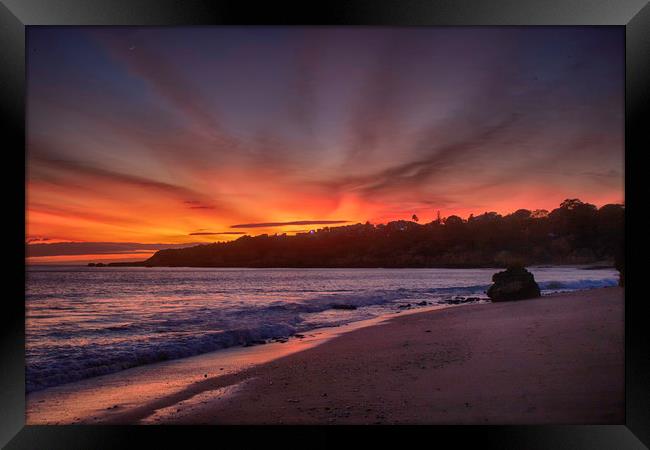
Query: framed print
(275, 222)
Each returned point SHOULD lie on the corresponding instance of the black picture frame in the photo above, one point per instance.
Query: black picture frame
(15, 15)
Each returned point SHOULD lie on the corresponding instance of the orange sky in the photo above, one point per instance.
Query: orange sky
(167, 135)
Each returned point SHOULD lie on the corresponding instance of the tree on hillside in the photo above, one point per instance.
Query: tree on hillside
(575, 232)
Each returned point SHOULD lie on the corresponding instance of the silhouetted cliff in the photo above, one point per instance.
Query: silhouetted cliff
(574, 233)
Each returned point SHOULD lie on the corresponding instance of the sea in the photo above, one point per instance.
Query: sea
(88, 321)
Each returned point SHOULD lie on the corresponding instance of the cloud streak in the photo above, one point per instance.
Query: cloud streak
(210, 233)
(95, 248)
(142, 134)
(295, 222)
(162, 75)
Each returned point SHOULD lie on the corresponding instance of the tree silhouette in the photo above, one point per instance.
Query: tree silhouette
(574, 233)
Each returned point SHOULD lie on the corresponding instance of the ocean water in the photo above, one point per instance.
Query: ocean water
(86, 321)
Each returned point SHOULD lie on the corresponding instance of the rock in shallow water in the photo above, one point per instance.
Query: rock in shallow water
(515, 283)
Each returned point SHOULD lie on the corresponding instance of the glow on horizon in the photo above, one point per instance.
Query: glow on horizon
(166, 134)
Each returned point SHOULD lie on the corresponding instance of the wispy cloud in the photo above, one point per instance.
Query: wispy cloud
(148, 133)
(604, 174)
(376, 110)
(193, 204)
(217, 233)
(437, 160)
(296, 222)
(45, 165)
(164, 76)
(82, 168)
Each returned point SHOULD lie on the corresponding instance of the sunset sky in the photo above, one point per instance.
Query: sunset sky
(149, 136)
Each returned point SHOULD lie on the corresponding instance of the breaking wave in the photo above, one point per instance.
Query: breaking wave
(85, 323)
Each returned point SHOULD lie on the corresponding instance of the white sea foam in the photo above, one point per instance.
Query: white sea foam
(557, 286)
(83, 322)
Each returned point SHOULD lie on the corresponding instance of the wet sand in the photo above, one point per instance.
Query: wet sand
(154, 392)
(556, 359)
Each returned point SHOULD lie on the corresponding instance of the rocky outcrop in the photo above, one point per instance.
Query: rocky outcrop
(515, 283)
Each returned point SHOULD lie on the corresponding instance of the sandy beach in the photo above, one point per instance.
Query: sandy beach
(553, 360)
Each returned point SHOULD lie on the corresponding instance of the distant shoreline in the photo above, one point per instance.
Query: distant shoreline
(574, 233)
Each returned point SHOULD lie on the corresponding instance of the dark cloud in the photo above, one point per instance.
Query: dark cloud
(95, 248)
(210, 233)
(297, 222)
(440, 160)
(30, 240)
(192, 204)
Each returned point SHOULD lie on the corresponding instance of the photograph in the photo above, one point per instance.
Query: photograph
(325, 225)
